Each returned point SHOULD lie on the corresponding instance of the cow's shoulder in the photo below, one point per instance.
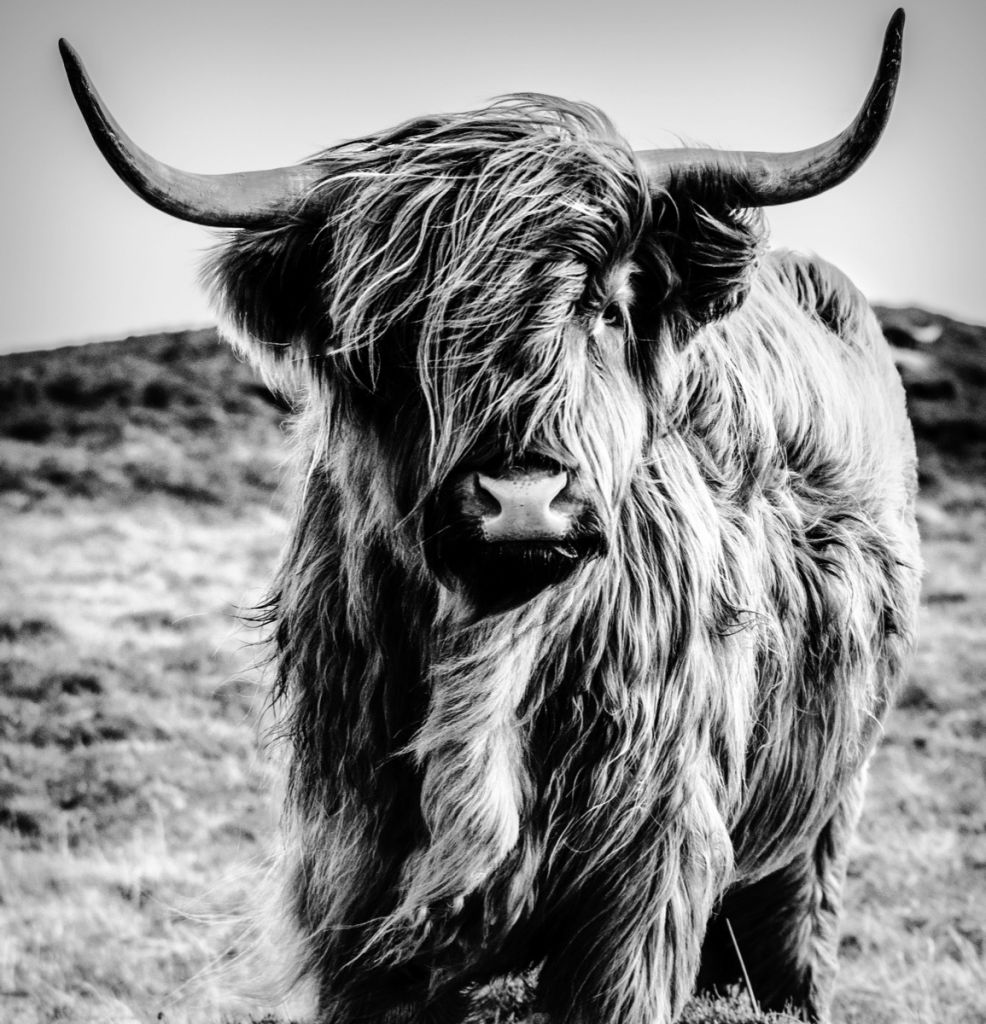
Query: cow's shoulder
(822, 291)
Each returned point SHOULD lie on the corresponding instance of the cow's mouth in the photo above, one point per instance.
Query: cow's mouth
(496, 576)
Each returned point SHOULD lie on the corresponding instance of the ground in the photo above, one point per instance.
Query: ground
(141, 514)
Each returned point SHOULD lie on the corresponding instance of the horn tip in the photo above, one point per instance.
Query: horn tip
(893, 45)
(895, 28)
(67, 50)
(74, 67)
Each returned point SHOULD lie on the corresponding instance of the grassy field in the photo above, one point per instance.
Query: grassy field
(140, 511)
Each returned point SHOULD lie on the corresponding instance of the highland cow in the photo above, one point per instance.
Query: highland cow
(605, 565)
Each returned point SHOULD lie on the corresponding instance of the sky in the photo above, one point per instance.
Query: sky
(238, 84)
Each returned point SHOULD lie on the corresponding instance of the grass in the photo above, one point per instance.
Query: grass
(140, 513)
(132, 795)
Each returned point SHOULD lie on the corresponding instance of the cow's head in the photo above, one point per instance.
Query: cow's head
(485, 307)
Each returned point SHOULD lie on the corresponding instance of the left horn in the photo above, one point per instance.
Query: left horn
(250, 199)
(770, 179)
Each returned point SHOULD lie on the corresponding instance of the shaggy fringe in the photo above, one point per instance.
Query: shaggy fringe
(578, 781)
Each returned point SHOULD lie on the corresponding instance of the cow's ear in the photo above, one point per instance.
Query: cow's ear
(716, 256)
(265, 286)
(707, 254)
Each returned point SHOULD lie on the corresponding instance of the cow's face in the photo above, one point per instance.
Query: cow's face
(488, 309)
(541, 440)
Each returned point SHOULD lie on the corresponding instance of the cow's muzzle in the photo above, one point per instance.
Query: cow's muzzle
(521, 505)
(507, 532)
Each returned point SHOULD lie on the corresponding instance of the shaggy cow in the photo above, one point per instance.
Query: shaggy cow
(605, 566)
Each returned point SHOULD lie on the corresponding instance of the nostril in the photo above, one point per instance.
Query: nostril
(484, 500)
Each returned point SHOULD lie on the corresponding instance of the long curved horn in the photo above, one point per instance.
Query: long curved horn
(249, 199)
(770, 179)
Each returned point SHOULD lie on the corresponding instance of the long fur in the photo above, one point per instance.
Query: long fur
(580, 781)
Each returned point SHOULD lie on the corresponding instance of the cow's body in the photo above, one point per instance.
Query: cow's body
(686, 740)
(605, 565)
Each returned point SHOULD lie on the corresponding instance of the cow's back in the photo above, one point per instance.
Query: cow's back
(812, 388)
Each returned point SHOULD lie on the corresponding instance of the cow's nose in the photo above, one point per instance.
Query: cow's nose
(527, 505)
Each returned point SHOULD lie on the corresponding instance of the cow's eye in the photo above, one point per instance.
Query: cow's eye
(612, 315)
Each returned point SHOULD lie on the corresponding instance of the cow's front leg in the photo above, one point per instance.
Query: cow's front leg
(626, 948)
(786, 925)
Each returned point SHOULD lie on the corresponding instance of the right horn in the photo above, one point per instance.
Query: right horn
(770, 179)
(251, 199)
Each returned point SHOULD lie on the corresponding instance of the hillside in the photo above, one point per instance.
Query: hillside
(141, 515)
(173, 414)
(943, 365)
